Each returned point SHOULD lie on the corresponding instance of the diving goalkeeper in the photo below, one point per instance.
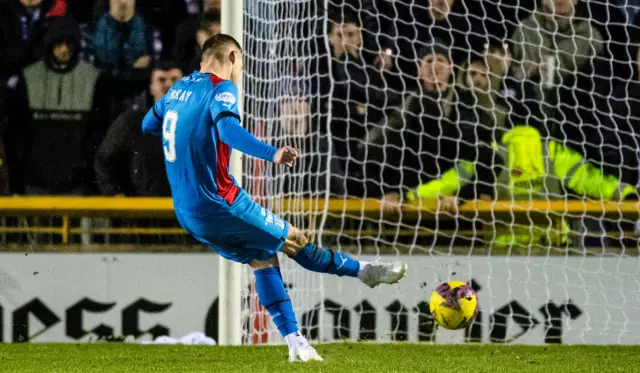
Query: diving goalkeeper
(199, 122)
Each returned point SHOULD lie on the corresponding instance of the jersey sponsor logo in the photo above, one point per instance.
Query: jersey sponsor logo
(279, 223)
(271, 218)
(343, 261)
(226, 98)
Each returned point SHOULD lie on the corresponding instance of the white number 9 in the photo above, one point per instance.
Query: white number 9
(169, 135)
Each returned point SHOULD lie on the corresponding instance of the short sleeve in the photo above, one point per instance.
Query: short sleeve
(224, 101)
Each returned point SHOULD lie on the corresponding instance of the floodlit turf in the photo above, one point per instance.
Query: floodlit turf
(349, 358)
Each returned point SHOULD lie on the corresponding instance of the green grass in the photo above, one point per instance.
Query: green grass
(347, 357)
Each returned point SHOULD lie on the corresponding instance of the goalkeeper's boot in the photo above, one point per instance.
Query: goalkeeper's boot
(376, 273)
(300, 349)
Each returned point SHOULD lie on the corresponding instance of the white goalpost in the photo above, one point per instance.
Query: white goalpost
(230, 273)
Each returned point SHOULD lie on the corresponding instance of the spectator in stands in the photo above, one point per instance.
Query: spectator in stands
(122, 42)
(128, 162)
(630, 8)
(188, 48)
(611, 138)
(448, 125)
(482, 116)
(22, 27)
(550, 47)
(416, 141)
(622, 153)
(61, 107)
(162, 16)
(361, 92)
(463, 24)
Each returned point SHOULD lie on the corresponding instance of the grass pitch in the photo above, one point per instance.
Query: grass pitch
(343, 357)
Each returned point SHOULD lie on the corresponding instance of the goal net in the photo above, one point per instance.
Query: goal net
(492, 142)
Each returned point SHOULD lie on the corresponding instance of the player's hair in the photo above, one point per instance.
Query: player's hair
(209, 18)
(217, 45)
(164, 65)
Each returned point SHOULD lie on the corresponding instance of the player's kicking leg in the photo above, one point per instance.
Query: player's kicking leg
(274, 297)
(317, 259)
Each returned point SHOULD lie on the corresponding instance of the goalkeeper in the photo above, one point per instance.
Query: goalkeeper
(526, 167)
(199, 122)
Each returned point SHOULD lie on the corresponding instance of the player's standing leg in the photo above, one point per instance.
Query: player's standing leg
(274, 297)
(318, 259)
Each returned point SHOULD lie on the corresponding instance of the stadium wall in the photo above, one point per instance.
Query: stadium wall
(536, 300)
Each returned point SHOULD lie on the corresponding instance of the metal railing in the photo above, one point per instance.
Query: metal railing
(66, 209)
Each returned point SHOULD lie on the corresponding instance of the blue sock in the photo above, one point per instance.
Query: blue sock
(274, 297)
(317, 259)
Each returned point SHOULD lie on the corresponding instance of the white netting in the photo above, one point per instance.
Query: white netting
(442, 103)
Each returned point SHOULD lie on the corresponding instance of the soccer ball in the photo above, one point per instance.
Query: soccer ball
(454, 305)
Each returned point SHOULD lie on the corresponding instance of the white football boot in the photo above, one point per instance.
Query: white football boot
(376, 273)
(300, 349)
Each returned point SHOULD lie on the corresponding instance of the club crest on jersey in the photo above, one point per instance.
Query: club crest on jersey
(227, 99)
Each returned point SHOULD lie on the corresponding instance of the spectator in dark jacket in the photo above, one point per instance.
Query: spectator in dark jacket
(621, 153)
(185, 44)
(418, 138)
(22, 27)
(61, 109)
(361, 92)
(187, 51)
(442, 124)
(164, 16)
(463, 24)
(121, 41)
(128, 162)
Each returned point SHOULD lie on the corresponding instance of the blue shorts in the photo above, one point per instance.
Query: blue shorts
(241, 232)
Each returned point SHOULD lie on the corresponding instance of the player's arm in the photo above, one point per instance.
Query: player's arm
(233, 134)
(226, 121)
(152, 122)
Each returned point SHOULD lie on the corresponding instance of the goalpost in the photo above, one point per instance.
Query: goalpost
(334, 80)
(230, 273)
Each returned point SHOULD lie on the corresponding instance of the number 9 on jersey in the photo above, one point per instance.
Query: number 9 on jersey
(169, 135)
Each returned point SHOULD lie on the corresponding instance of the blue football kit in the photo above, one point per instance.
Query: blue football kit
(199, 122)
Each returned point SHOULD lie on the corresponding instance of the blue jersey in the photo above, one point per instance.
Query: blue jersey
(199, 122)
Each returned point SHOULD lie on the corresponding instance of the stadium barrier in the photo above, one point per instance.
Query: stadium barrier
(151, 207)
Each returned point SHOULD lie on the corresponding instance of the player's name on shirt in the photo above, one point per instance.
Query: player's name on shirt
(180, 94)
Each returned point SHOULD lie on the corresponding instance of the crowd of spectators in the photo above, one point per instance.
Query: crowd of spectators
(77, 77)
(424, 96)
(418, 91)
